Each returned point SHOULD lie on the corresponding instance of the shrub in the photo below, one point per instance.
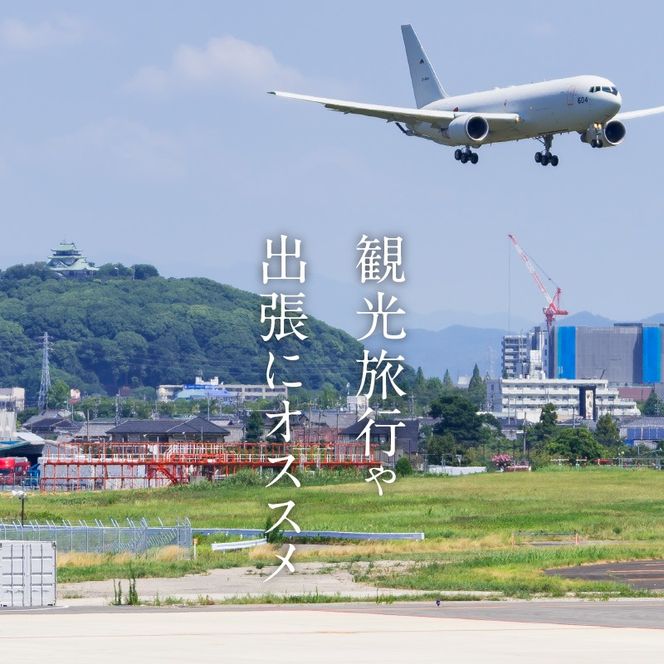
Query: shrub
(403, 467)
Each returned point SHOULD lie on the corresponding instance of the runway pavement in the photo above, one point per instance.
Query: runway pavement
(642, 574)
(539, 631)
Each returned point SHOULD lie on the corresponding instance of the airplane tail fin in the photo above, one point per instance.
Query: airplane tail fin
(426, 86)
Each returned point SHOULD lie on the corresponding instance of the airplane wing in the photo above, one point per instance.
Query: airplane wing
(397, 113)
(631, 115)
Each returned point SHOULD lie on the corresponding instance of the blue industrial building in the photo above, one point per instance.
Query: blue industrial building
(625, 354)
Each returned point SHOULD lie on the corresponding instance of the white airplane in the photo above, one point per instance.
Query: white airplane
(589, 105)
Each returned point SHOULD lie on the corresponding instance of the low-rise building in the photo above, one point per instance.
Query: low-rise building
(168, 431)
(407, 437)
(216, 390)
(646, 431)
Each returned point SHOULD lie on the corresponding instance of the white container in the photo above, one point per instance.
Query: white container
(27, 573)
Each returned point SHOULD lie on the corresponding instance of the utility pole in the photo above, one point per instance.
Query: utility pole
(45, 383)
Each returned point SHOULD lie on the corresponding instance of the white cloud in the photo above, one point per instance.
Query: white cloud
(223, 61)
(21, 36)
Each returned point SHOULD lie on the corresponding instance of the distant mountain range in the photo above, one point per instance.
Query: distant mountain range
(458, 347)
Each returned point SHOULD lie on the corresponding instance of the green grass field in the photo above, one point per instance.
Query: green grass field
(478, 529)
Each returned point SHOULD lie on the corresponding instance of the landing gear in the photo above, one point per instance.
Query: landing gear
(597, 143)
(466, 155)
(545, 157)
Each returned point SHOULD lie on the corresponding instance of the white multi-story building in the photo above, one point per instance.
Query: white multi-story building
(524, 398)
(525, 355)
(12, 398)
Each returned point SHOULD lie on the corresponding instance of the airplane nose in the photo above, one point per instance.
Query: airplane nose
(618, 102)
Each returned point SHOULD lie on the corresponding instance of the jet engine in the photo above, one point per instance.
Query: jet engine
(607, 136)
(465, 129)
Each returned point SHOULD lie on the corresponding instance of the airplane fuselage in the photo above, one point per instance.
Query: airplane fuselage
(546, 108)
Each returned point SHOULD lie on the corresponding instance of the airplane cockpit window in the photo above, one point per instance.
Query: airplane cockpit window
(614, 91)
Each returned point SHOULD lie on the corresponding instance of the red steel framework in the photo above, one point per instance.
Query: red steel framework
(553, 307)
(125, 465)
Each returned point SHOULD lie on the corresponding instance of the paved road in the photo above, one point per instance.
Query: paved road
(631, 613)
(504, 632)
(644, 574)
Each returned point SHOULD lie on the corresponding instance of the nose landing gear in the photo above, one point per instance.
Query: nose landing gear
(545, 157)
(466, 155)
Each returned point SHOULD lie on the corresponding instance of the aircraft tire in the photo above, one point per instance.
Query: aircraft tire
(538, 157)
(554, 160)
(463, 158)
(474, 158)
(457, 155)
(545, 160)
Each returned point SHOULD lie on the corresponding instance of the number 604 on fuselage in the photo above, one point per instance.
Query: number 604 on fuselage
(590, 105)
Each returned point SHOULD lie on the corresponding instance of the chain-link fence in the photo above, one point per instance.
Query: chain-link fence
(134, 537)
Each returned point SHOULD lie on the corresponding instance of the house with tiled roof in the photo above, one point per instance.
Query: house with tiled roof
(168, 430)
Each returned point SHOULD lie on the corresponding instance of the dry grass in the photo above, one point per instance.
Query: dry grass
(401, 548)
(78, 559)
(262, 552)
(168, 554)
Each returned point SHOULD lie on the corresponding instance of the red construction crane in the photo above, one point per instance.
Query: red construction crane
(553, 307)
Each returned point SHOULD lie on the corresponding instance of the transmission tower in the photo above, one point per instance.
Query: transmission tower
(45, 384)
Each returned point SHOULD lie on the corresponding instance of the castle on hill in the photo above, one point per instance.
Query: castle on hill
(67, 261)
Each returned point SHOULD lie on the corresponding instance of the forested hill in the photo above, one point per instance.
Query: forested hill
(129, 326)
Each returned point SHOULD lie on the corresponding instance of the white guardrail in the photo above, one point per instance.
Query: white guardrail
(234, 546)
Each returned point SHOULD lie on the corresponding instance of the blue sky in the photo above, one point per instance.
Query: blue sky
(143, 132)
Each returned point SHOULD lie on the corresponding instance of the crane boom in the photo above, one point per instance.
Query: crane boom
(553, 302)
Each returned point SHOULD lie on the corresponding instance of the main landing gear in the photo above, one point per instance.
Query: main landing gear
(466, 155)
(545, 158)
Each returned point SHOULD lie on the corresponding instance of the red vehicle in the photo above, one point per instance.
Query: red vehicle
(13, 470)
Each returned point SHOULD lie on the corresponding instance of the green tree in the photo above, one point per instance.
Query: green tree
(546, 428)
(420, 381)
(328, 397)
(447, 380)
(113, 271)
(574, 444)
(254, 430)
(607, 432)
(403, 467)
(441, 448)
(166, 408)
(58, 395)
(653, 406)
(457, 415)
(144, 271)
(477, 389)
